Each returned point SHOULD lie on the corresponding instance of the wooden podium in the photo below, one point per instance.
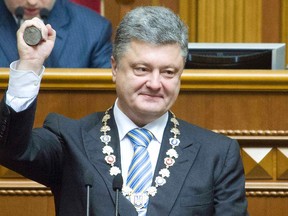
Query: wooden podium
(248, 105)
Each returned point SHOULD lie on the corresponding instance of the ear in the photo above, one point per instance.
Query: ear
(114, 68)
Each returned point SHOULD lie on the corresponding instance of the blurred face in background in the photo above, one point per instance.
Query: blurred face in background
(31, 7)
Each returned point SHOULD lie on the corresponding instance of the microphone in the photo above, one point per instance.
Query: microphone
(88, 178)
(117, 186)
(44, 13)
(19, 13)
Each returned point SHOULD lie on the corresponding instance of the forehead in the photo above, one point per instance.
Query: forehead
(151, 53)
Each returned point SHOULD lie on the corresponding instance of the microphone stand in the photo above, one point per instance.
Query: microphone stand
(88, 178)
(88, 200)
(117, 187)
(117, 203)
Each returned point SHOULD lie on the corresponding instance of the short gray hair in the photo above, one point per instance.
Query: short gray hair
(152, 24)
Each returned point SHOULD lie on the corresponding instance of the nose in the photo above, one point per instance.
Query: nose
(154, 80)
(32, 2)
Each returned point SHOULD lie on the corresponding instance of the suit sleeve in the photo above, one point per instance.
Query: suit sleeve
(15, 127)
(229, 189)
(35, 154)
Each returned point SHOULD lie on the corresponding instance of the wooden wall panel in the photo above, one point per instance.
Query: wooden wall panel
(23, 205)
(114, 10)
(189, 14)
(228, 21)
(284, 26)
(266, 206)
(271, 20)
(234, 110)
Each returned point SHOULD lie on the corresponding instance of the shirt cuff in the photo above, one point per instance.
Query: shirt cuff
(22, 83)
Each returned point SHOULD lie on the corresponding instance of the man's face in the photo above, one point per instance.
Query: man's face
(31, 7)
(147, 80)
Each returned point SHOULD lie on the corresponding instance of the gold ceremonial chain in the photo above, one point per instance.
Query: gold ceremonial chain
(169, 161)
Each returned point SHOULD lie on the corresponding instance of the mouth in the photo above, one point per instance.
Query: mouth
(31, 12)
(152, 96)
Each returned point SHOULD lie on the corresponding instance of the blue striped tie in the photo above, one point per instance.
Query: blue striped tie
(140, 170)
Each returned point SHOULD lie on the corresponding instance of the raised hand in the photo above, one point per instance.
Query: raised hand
(33, 57)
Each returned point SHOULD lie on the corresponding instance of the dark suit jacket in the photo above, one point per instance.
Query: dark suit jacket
(207, 178)
(83, 37)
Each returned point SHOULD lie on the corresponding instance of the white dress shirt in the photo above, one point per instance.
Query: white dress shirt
(124, 125)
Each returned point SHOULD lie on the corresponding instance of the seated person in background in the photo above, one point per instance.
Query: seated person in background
(177, 169)
(83, 36)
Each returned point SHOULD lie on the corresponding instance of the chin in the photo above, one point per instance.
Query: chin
(151, 110)
(151, 107)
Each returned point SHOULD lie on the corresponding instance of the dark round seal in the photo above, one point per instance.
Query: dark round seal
(32, 36)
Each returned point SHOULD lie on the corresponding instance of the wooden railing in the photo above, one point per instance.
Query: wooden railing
(215, 80)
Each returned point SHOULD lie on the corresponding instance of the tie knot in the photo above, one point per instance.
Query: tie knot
(140, 137)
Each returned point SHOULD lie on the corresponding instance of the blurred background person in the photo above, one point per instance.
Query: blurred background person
(83, 36)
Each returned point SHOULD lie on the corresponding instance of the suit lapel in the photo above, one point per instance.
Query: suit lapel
(93, 146)
(167, 194)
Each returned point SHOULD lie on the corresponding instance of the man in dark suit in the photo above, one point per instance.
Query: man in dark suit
(83, 36)
(188, 170)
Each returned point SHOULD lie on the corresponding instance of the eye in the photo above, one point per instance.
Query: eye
(140, 70)
(168, 73)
